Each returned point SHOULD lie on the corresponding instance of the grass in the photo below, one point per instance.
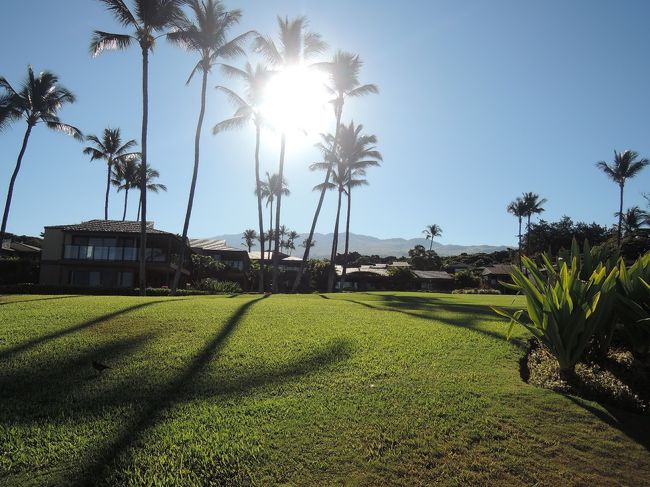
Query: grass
(342, 389)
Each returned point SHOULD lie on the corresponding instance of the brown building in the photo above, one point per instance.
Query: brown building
(104, 253)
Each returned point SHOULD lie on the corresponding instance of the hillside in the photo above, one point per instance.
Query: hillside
(368, 245)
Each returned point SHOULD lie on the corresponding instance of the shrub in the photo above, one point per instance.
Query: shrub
(401, 278)
(213, 286)
(465, 279)
(26, 288)
(563, 311)
(476, 291)
(633, 305)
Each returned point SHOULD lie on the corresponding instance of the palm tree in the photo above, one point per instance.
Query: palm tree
(272, 189)
(149, 19)
(432, 231)
(291, 240)
(358, 153)
(533, 207)
(37, 101)
(626, 165)
(282, 231)
(518, 208)
(296, 46)
(111, 150)
(344, 83)
(149, 184)
(247, 110)
(633, 219)
(249, 236)
(125, 177)
(205, 35)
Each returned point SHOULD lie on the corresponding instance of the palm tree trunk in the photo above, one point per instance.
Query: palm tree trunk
(431, 244)
(10, 192)
(126, 200)
(528, 236)
(519, 244)
(620, 216)
(108, 187)
(137, 218)
(335, 242)
(143, 175)
(276, 255)
(259, 207)
(305, 256)
(195, 173)
(347, 240)
(271, 226)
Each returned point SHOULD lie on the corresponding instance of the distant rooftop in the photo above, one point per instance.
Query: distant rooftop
(432, 275)
(112, 226)
(498, 270)
(211, 244)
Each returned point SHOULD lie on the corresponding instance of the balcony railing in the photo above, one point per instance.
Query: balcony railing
(117, 254)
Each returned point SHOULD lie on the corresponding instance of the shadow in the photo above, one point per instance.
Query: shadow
(323, 296)
(399, 304)
(87, 324)
(178, 390)
(38, 299)
(634, 426)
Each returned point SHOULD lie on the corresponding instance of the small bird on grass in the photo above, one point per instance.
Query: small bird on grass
(99, 367)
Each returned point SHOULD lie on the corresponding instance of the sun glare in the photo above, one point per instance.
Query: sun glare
(296, 101)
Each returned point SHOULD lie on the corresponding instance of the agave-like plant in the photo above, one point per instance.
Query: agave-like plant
(633, 304)
(562, 310)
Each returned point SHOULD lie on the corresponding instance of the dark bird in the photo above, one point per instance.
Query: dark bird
(99, 367)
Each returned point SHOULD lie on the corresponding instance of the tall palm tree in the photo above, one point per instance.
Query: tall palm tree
(205, 34)
(296, 46)
(358, 153)
(633, 219)
(533, 207)
(626, 165)
(111, 150)
(37, 101)
(125, 178)
(271, 189)
(343, 71)
(249, 236)
(432, 231)
(518, 209)
(149, 184)
(247, 111)
(149, 19)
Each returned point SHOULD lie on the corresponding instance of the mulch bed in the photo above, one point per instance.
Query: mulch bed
(619, 379)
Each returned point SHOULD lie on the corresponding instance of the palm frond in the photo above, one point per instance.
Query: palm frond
(230, 124)
(121, 12)
(102, 41)
(54, 124)
(364, 90)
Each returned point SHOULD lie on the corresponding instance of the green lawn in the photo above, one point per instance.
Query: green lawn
(352, 389)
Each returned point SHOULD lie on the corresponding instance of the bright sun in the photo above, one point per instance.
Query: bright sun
(296, 100)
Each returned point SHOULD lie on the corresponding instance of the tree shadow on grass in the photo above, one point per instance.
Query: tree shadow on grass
(178, 390)
(9, 352)
(634, 426)
(3, 303)
(469, 316)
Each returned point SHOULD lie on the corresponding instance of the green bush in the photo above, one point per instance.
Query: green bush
(465, 279)
(26, 288)
(564, 311)
(213, 286)
(476, 291)
(633, 305)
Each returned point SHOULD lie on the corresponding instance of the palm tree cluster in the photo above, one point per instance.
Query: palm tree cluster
(525, 206)
(202, 27)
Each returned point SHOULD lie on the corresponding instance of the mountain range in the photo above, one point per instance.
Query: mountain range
(368, 245)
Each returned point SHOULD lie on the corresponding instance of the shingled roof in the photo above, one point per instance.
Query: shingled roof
(498, 270)
(426, 275)
(211, 244)
(112, 226)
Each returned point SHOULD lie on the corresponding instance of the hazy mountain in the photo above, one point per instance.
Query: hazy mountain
(368, 245)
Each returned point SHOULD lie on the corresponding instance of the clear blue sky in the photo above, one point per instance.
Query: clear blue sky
(479, 102)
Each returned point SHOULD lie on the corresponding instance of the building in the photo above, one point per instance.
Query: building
(11, 248)
(234, 259)
(497, 273)
(104, 253)
(434, 280)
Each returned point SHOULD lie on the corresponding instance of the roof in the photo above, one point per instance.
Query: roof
(109, 226)
(21, 247)
(399, 264)
(498, 270)
(429, 275)
(268, 255)
(368, 269)
(212, 244)
(292, 258)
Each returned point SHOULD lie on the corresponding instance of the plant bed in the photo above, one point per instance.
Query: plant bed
(618, 379)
